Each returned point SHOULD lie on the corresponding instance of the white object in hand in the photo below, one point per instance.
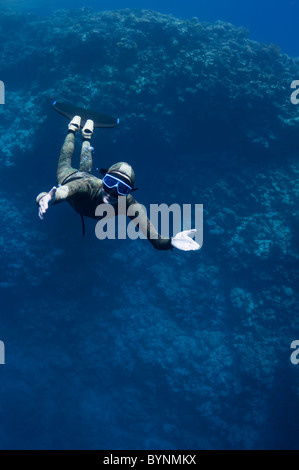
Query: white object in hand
(183, 241)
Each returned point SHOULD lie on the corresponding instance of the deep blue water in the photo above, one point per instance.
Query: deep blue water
(113, 345)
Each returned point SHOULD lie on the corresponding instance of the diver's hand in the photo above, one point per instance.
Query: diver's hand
(182, 241)
(45, 201)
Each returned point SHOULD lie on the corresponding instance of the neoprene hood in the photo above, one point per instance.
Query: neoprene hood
(124, 170)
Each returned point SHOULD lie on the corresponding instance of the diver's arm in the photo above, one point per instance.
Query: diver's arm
(146, 227)
(182, 240)
(60, 194)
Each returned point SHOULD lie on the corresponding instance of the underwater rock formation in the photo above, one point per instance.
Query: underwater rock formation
(178, 77)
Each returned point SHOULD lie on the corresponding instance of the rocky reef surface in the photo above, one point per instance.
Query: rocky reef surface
(115, 345)
(145, 66)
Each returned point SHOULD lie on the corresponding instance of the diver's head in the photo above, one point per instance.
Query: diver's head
(118, 181)
(124, 172)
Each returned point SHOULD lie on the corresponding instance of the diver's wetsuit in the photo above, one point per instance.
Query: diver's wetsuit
(83, 191)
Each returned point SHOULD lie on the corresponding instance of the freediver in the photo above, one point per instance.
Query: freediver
(85, 192)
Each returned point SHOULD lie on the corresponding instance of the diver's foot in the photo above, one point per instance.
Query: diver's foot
(75, 123)
(88, 129)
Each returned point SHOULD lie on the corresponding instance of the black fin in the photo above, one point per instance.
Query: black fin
(100, 120)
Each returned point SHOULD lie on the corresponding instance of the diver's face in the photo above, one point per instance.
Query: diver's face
(110, 197)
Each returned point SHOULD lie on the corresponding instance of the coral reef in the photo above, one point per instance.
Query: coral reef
(151, 67)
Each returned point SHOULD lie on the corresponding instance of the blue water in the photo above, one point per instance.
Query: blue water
(112, 344)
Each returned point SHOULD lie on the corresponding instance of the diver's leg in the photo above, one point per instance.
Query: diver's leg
(86, 155)
(64, 168)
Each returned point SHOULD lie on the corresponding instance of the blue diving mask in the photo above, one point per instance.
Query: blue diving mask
(110, 182)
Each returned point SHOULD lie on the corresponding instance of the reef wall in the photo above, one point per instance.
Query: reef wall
(178, 77)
